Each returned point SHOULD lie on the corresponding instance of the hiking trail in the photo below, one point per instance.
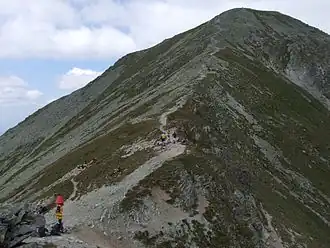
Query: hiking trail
(91, 208)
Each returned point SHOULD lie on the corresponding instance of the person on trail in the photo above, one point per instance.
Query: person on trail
(59, 211)
(174, 135)
(163, 137)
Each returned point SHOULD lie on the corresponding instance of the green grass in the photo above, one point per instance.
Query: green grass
(14, 157)
(292, 214)
(305, 128)
(244, 168)
(105, 150)
(201, 165)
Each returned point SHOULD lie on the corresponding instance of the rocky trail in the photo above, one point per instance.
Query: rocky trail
(83, 218)
(90, 211)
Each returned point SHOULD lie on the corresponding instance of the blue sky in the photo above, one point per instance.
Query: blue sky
(51, 48)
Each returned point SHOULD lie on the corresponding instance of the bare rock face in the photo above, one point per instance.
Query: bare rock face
(18, 225)
(247, 95)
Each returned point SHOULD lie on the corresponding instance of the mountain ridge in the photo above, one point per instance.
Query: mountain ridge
(247, 94)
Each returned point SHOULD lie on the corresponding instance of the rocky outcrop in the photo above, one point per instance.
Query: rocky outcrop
(18, 224)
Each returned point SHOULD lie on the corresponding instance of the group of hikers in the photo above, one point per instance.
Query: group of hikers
(166, 138)
(59, 202)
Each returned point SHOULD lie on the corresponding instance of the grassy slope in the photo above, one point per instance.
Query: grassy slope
(304, 127)
(105, 151)
(227, 159)
(140, 71)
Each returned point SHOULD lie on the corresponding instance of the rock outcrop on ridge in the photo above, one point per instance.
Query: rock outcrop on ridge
(17, 224)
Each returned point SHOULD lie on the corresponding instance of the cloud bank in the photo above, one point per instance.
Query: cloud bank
(15, 91)
(17, 100)
(94, 29)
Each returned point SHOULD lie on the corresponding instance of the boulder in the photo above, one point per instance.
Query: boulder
(56, 230)
(17, 224)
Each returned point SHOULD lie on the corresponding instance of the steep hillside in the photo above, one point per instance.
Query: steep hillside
(247, 93)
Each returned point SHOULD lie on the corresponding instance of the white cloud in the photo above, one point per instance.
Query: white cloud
(15, 91)
(111, 28)
(77, 78)
(17, 100)
(33, 94)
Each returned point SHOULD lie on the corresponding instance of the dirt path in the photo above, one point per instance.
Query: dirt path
(163, 117)
(91, 206)
(88, 212)
(75, 189)
(97, 239)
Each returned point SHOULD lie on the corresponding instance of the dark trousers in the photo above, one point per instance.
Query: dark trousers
(60, 222)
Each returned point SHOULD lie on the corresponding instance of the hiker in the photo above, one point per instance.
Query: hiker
(174, 135)
(163, 138)
(59, 211)
(175, 139)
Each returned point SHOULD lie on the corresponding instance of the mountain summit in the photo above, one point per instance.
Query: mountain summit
(248, 95)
